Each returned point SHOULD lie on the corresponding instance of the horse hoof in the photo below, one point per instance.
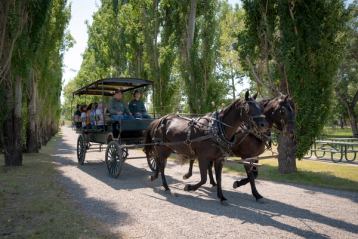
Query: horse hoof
(259, 198)
(167, 190)
(235, 185)
(224, 202)
(186, 176)
(152, 178)
(187, 188)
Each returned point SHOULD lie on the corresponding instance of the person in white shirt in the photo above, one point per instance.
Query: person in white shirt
(100, 116)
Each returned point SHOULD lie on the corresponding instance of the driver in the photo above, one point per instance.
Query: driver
(136, 106)
(118, 108)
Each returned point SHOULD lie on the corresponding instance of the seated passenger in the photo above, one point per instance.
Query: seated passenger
(136, 106)
(100, 116)
(83, 116)
(88, 116)
(117, 108)
(77, 117)
(93, 114)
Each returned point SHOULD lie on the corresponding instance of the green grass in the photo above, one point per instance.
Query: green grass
(345, 132)
(33, 205)
(309, 172)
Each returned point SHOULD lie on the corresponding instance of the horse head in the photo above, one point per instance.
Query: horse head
(255, 112)
(281, 112)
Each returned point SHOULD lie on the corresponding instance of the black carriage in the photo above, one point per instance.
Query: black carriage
(117, 136)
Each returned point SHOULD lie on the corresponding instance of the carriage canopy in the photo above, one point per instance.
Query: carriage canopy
(108, 86)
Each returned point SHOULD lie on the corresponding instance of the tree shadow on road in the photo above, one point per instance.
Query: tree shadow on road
(102, 211)
(96, 167)
(243, 207)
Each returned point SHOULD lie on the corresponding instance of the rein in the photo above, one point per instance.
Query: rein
(216, 132)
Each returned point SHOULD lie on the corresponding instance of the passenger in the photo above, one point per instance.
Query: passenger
(84, 116)
(100, 116)
(93, 114)
(117, 108)
(88, 116)
(136, 106)
(77, 117)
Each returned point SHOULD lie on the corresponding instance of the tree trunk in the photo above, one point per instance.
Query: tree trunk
(353, 121)
(233, 86)
(32, 142)
(286, 154)
(13, 126)
(286, 145)
(189, 43)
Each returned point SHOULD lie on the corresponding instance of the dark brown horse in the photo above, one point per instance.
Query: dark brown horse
(207, 138)
(280, 114)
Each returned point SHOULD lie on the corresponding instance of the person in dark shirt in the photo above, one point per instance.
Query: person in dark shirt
(136, 106)
(77, 117)
(118, 108)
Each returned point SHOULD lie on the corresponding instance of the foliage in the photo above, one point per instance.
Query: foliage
(229, 68)
(346, 84)
(35, 32)
(297, 47)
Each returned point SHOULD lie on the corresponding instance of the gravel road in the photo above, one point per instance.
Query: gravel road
(134, 207)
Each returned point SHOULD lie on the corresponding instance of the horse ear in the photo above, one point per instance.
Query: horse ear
(247, 95)
(255, 96)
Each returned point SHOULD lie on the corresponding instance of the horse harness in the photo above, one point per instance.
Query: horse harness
(215, 131)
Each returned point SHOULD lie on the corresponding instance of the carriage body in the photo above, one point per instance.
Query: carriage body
(116, 137)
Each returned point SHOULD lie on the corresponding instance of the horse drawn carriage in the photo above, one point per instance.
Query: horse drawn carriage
(239, 129)
(119, 136)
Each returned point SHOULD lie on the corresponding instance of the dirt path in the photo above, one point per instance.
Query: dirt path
(137, 208)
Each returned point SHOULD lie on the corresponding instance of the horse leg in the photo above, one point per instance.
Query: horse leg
(210, 171)
(164, 180)
(252, 177)
(156, 172)
(240, 183)
(218, 171)
(203, 166)
(245, 181)
(190, 172)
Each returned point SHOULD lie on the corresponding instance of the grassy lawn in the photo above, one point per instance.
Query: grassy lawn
(309, 172)
(345, 132)
(33, 205)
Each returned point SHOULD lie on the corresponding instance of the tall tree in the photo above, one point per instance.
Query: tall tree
(346, 86)
(197, 25)
(23, 23)
(228, 66)
(295, 46)
(31, 72)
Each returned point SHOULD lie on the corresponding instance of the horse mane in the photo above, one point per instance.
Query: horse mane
(232, 104)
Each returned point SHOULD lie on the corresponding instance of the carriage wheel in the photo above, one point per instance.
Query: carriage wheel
(81, 149)
(114, 158)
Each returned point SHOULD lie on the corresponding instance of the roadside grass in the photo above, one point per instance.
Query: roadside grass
(309, 172)
(33, 205)
(345, 132)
